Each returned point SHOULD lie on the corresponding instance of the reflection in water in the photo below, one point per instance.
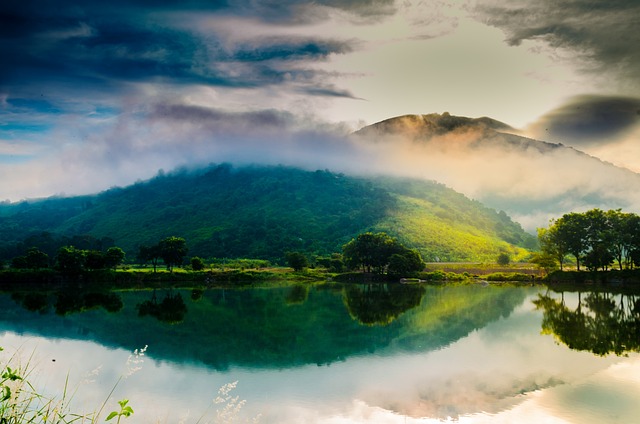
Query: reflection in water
(170, 310)
(380, 304)
(601, 323)
(298, 294)
(69, 301)
(266, 328)
(464, 353)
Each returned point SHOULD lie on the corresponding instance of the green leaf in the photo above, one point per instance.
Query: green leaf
(10, 374)
(112, 415)
(6, 393)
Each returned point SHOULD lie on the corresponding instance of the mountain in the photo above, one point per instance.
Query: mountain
(263, 212)
(487, 160)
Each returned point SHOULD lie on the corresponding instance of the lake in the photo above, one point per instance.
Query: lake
(336, 353)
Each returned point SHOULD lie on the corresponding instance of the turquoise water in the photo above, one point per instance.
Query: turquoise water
(337, 354)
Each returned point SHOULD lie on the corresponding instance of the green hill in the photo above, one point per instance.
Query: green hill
(262, 212)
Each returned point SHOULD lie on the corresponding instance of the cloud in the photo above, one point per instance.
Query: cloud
(603, 35)
(530, 180)
(91, 45)
(604, 126)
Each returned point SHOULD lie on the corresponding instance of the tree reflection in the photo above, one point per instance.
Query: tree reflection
(170, 310)
(73, 301)
(297, 295)
(68, 301)
(380, 304)
(602, 323)
(33, 302)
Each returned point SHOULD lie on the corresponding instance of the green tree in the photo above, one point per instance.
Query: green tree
(172, 251)
(114, 257)
(552, 245)
(503, 259)
(297, 260)
(406, 263)
(571, 232)
(150, 254)
(545, 261)
(94, 259)
(70, 261)
(197, 264)
(33, 259)
(372, 252)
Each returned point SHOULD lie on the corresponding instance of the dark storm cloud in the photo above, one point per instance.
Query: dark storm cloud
(106, 45)
(604, 33)
(591, 120)
(290, 49)
(220, 121)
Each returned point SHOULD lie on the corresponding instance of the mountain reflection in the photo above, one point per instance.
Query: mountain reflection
(267, 327)
(601, 323)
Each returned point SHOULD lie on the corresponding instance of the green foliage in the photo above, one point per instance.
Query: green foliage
(379, 253)
(508, 276)
(33, 259)
(197, 264)
(70, 261)
(595, 238)
(503, 259)
(297, 260)
(114, 257)
(405, 263)
(125, 411)
(240, 263)
(172, 251)
(261, 212)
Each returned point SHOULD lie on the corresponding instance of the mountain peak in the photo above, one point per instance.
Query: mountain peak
(433, 124)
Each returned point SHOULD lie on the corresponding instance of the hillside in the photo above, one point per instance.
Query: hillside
(262, 212)
(531, 180)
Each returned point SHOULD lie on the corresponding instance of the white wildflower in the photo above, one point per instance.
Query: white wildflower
(135, 360)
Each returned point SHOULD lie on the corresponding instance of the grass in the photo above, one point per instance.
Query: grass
(21, 402)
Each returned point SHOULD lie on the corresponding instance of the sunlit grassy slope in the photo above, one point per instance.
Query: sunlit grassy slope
(263, 212)
(447, 226)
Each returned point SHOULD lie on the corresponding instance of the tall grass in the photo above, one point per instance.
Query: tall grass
(21, 402)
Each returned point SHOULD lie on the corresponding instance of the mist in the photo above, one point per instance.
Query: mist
(530, 180)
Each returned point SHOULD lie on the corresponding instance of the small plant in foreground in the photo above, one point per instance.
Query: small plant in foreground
(125, 411)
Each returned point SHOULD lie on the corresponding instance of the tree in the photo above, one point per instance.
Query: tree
(405, 263)
(114, 257)
(197, 264)
(94, 259)
(571, 232)
(33, 259)
(296, 260)
(172, 251)
(150, 254)
(545, 261)
(371, 251)
(552, 245)
(70, 261)
(503, 259)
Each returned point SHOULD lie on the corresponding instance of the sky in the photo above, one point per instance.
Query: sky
(101, 94)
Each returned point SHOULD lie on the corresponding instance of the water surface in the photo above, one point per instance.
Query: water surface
(339, 354)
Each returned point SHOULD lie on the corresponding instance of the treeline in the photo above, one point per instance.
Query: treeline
(369, 252)
(70, 260)
(596, 239)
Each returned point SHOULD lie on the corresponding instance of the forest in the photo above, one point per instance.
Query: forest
(263, 213)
